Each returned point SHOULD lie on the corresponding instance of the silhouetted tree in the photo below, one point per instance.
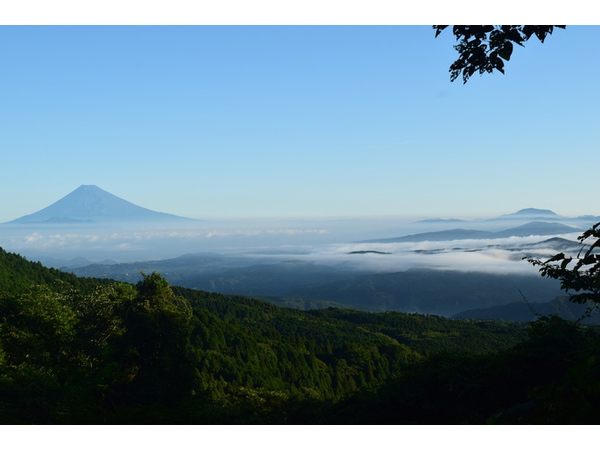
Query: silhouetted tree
(483, 48)
(579, 273)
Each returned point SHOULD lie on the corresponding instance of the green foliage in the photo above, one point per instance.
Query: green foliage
(543, 380)
(579, 273)
(484, 48)
(155, 350)
(37, 328)
(440, 292)
(156, 354)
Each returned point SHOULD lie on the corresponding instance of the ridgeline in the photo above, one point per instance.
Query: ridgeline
(88, 351)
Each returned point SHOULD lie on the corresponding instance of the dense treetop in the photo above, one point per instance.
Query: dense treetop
(83, 351)
(485, 48)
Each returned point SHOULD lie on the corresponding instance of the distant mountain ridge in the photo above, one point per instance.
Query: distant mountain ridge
(531, 214)
(90, 204)
(534, 212)
(529, 229)
(525, 214)
(526, 312)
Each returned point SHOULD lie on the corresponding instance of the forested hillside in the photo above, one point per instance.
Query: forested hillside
(307, 285)
(88, 351)
(17, 275)
(527, 311)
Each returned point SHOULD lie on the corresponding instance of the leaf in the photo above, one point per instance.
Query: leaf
(590, 259)
(592, 247)
(506, 51)
(565, 263)
(556, 258)
(439, 28)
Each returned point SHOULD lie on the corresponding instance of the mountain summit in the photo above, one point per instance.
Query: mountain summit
(531, 213)
(90, 204)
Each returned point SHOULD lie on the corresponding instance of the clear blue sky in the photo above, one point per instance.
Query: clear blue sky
(223, 122)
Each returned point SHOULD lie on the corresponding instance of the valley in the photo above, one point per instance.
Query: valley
(263, 224)
(308, 324)
(305, 264)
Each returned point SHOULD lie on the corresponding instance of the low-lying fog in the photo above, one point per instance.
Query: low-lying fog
(318, 263)
(329, 242)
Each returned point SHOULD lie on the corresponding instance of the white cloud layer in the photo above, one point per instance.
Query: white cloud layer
(312, 244)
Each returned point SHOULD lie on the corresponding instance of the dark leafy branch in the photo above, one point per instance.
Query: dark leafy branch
(579, 273)
(485, 48)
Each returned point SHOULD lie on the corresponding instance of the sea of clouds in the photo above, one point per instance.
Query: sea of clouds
(330, 243)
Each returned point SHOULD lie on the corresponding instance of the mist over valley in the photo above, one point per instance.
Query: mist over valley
(372, 264)
(298, 225)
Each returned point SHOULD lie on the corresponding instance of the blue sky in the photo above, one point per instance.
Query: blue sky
(230, 122)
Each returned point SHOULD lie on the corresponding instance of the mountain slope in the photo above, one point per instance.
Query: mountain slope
(90, 204)
(447, 235)
(537, 229)
(530, 213)
(528, 229)
(17, 275)
(152, 354)
(429, 291)
(523, 312)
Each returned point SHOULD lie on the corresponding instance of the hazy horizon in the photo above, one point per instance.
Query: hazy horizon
(407, 217)
(292, 132)
(290, 139)
(291, 122)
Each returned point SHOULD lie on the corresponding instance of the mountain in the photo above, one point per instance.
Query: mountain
(429, 291)
(555, 243)
(546, 213)
(537, 229)
(447, 235)
(76, 351)
(524, 312)
(529, 229)
(587, 219)
(18, 275)
(307, 285)
(440, 221)
(229, 274)
(90, 204)
(517, 218)
(540, 249)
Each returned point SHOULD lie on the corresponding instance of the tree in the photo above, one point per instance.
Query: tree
(483, 48)
(38, 329)
(155, 349)
(580, 273)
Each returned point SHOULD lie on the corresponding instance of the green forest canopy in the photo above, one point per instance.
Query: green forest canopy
(83, 351)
